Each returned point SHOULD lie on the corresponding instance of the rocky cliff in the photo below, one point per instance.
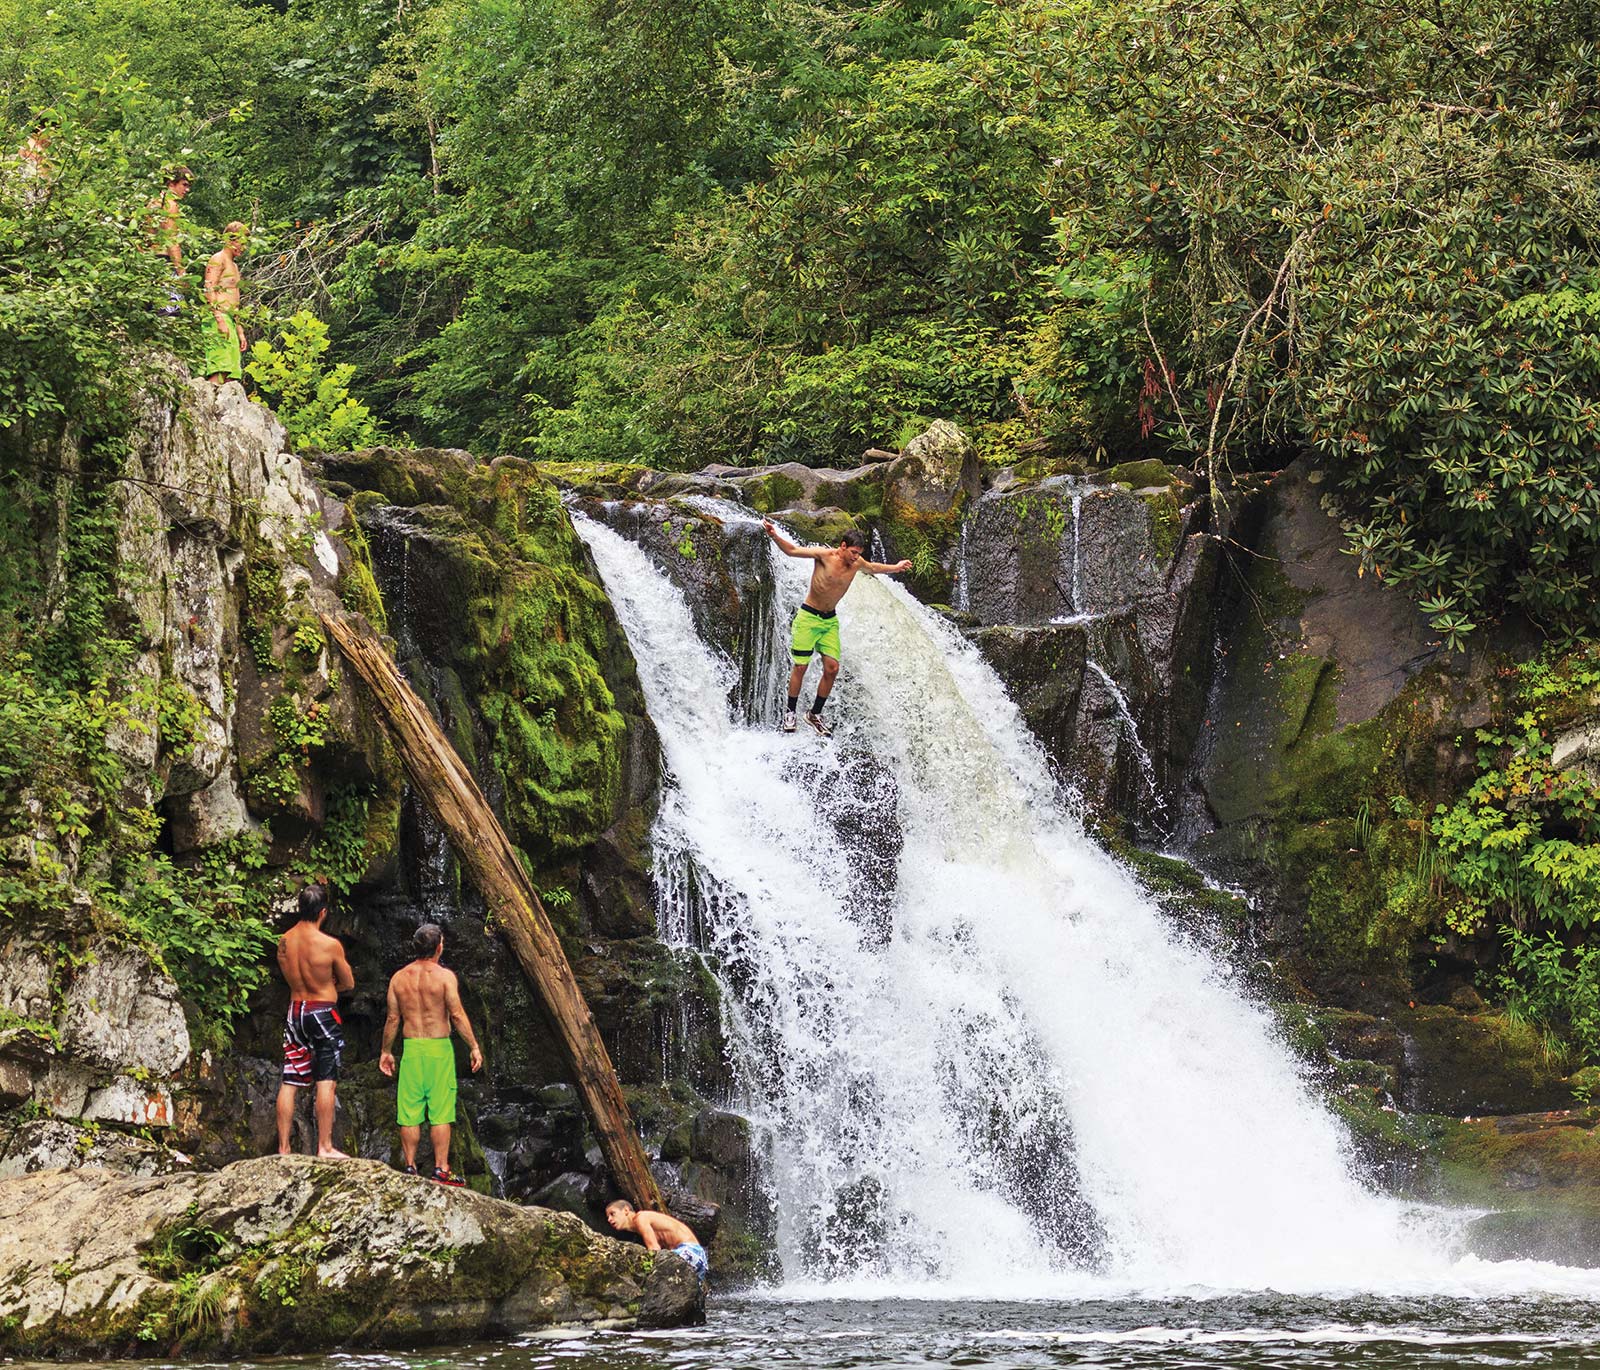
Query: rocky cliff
(140, 1025)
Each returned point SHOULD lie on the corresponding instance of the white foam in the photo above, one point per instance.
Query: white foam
(922, 1082)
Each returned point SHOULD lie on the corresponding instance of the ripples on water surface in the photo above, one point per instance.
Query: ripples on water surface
(1261, 1330)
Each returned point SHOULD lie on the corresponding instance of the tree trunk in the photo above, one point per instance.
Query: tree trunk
(496, 869)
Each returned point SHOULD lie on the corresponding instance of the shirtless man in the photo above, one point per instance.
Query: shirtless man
(226, 344)
(425, 996)
(164, 210)
(660, 1232)
(313, 1038)
(816, 626)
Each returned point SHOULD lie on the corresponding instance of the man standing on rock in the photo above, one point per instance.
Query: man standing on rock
(426, 998)
(816, 625)
(225, 340)
(313, 1038)
(660, 1232)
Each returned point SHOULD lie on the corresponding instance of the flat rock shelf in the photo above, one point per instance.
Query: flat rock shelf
(295, 1254)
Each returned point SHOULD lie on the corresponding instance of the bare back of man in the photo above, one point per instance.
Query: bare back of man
(311, 962)
(660, 1232)
(424, 991)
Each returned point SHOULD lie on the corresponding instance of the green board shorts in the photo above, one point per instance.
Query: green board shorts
(813, 632)
(427, 1081)
(222, 352)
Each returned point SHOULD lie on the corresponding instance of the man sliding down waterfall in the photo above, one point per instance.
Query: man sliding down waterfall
(816, 626)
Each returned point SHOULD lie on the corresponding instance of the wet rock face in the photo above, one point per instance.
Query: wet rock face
(289, 1254)
(1094, 602)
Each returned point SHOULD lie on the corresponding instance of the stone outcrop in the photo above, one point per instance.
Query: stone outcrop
(289, 1254)
(1094, 597)
(224, 550)
(1093, 594)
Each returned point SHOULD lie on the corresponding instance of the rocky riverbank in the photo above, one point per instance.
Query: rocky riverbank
(288, 1254)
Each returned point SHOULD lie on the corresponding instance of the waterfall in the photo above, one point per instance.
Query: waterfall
(1141, 753)
(983, 1059)
(1077, 554)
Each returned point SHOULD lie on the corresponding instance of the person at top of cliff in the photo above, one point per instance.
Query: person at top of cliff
(660, 1232)
(426, 998)
(226, 343)
(816, 625)
(163, 211)
(313, 1037)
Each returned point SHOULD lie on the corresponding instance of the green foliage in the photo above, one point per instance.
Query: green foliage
(314, 405)
(81, 294)
(1520, 850)
(1523, 844)
(342, 850)
(1553, 983)
(1371, 229)
(208, 925)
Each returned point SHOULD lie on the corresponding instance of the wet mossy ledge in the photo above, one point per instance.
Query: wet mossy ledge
(291, 1254)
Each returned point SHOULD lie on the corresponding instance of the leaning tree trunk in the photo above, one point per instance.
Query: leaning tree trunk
(496, 869)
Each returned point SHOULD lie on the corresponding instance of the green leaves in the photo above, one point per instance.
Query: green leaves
(314, 405)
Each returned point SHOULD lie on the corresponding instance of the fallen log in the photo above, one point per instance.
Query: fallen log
(495, 867)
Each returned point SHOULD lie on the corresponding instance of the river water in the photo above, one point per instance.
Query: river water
(1262, 1330)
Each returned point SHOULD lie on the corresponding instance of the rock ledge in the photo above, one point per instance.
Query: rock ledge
(284, 1254)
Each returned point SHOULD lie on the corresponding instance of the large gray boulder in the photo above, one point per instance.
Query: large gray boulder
(285, 1254)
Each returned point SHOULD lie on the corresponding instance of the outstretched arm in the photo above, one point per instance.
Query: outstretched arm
(874, 568)
(790, 549)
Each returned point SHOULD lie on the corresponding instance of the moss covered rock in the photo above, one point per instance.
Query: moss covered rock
(289, 1254)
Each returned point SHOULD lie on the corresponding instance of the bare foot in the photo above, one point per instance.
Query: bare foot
(285, 1151)
(331, 1153)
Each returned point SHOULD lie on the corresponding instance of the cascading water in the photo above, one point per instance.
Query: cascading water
(983, 1059)
(1141, 753)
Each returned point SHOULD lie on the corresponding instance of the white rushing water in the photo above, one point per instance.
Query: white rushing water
(986, 1063)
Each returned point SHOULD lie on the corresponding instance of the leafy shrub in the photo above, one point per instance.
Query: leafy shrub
(1555, 984)
(313, 404)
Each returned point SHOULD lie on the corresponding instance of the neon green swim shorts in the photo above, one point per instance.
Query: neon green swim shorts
(813, 632)
(427, 1081)
(222, 350)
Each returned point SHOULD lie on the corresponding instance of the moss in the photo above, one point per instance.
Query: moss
(863, 496)
(527, 648)
(925, 540)
(1183, 892)
(1140, 475)
(358, 587)
(772, 492)
(602, 479)
(1166, 524)
(823, 528)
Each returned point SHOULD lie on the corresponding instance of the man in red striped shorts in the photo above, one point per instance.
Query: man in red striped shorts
(313, 1037)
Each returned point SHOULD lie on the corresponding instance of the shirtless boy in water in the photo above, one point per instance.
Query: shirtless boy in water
(660, 1232)
(313, 1037)
(816, 626)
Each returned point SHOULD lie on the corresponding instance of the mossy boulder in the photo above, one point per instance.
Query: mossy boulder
(926, 491)
(284, 1254)
(487, 581)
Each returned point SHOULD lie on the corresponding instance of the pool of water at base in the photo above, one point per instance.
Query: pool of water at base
(1258, 1330)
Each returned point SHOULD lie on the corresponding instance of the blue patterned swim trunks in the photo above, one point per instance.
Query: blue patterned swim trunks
(695, 1254)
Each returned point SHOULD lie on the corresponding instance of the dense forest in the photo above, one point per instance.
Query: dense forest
(725, 231)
